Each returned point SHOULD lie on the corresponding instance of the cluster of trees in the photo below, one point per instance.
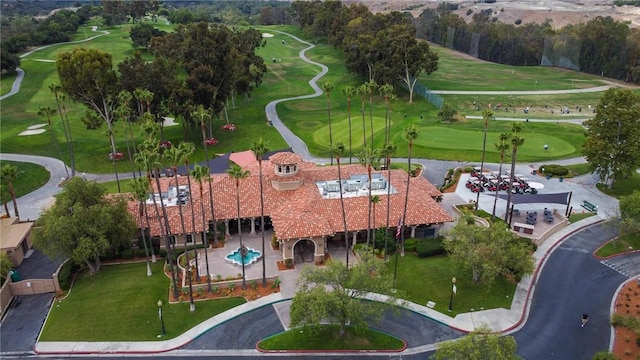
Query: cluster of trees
(381, 48)
(115, 12)
(603, 46)
(20, 32)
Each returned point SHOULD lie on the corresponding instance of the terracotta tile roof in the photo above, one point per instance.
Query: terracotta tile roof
(302, 212)
(243, 158)
(285, 158)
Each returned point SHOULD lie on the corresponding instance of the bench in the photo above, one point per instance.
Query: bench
(589, 206)
(525, 228)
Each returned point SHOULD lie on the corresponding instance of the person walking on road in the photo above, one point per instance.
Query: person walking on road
(585, 318)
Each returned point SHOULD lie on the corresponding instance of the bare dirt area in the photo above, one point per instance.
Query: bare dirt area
(627, 303)
(560, 12)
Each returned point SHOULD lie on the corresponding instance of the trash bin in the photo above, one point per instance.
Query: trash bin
(548, 177)
(534, 172)
(15, 277)
(561, 178)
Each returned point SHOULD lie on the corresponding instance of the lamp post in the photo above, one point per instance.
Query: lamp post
(453, 291)
(164, 332)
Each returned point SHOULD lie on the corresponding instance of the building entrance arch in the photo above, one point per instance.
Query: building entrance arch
(304, 250)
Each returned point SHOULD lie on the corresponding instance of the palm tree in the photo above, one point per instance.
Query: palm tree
(338, 150)
(5, 197)
(486, 115)
(388, 151)
(236, 172)
(371, 87)
(349, 91)
(175, 155)
(204, 116)
(362, 91)
(411, 133)
(188, 149)
(374, 200)
(141, 191)
(259, 148)
(123, 112)
(47, 111)
(387, 92)
(200, 173)
(9, 174)
(503, 147)
(516, 141)
(369, 157)
(149, 159)
(327, 87)
(66, 126)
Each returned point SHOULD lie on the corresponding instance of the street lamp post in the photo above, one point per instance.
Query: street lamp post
(453, 291)
(164, 332)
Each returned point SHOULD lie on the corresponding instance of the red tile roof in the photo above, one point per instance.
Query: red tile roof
(302, 212)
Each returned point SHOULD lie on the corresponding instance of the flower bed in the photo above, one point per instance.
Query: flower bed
(165, 144)
(211, 141)
(229, 127)
(116, 156)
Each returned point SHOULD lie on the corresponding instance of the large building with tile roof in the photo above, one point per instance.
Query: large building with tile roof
(301, 200)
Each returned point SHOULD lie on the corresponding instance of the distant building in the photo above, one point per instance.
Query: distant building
(301, 202)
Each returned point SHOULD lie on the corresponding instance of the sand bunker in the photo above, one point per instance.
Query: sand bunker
(38, 126)
(169, 121)
(267, 35)
(31, 132)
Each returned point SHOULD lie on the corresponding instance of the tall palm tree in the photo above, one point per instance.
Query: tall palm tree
(175, 155)
(371, 87)
(203, 116)
(9, 174)
(47, 111)
(328, 87)
(338, 150)
(259, 148)
(200, 173)
(66, 126)
(237, 173)
(4, 198)
(388, 151)
(374, 200)
(149, 159)
(486, 116)
(411, 133)
(368, 157)
(363, 90)
(503, 147)
(516, 141)
(188, 149)
(123, 112)
(141, 188)
(349, 91)
(387, 91)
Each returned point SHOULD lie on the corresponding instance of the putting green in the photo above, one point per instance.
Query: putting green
(340, 130)
(449, 138)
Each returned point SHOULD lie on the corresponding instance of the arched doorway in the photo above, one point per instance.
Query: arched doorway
(304, 251)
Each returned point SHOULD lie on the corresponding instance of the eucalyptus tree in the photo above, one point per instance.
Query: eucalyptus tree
(9, 174)
(141, 189)
(486, 116)
(516, 141)
(338, 150)
(349, 91)
(175, 155)
(411, 133)
(259, 148)
(200, 173)
(47, 112)
(388, 152)
(503, 147)
(56, 89)
(237, 173)
(328, 87)
(368, 158)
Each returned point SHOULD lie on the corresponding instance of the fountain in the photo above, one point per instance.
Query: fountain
(247, 254)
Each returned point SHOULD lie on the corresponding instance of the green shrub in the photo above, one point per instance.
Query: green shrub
(200, 291)
(232, 286)
(254, 284)
(430, 247)
(162, 253)
(552, 169)
(410, 245)
(66, 273)
(126, 254)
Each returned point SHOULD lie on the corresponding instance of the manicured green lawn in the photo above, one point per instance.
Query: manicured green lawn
(579, 169)
(429, 279)
(326, 338)
(120, 304)
(622, 187)
(623, 244)
(6, 81)
(575, 217)
(30, 177)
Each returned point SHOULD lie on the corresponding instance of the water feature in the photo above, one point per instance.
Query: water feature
(250, 256)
